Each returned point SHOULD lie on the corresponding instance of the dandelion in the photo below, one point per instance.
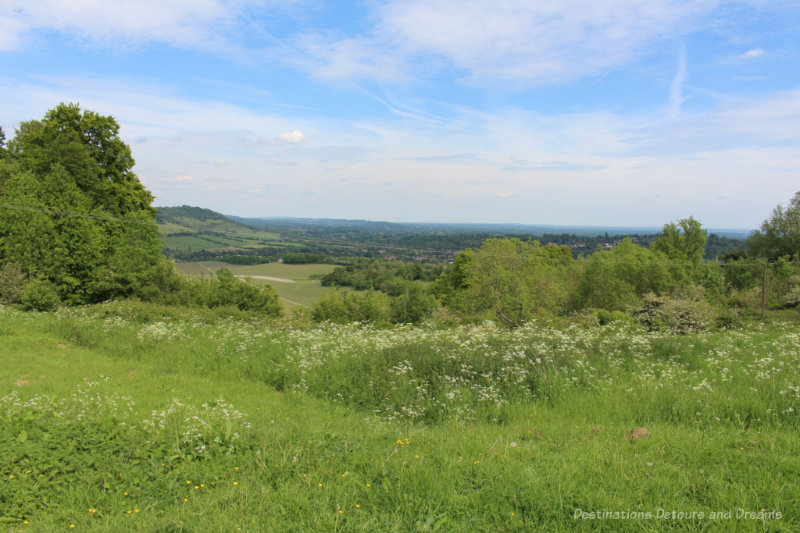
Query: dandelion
(235, 483)
(341, 512)
(136, 510)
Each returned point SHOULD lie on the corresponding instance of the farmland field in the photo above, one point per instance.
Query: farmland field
(128, 416)
(296, 285)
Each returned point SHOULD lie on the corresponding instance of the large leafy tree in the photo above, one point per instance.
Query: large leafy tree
(74, 213)
(684, 241)
(616, 279)
(516, 279)
(780, 233)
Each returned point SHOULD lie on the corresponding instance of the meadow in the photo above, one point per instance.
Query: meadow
(296, 285)
(128, 416)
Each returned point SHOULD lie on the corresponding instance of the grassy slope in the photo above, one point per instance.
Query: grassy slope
(309, 464)
(304, 290)
(211, 231)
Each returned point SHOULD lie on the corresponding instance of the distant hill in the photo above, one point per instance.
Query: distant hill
(195, 233)
(442, 228)
(187, 218)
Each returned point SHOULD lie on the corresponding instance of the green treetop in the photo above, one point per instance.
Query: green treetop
(74, 213)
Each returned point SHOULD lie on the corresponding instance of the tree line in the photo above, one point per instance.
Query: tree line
(666, 285)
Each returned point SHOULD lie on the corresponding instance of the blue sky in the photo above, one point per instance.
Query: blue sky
(609, 112)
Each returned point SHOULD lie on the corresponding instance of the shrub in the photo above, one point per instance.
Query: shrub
(341, 308)
(330, 307)
(227, 290)
(675, 315)
(40, 295)
(792, 296)
(605, 317)
(12, 283)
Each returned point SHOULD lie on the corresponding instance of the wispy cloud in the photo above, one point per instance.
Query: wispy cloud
(522, 43)
(676, 97)
(185, 178)
(202, 24)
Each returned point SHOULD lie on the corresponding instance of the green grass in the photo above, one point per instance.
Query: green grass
(301, 289)
(194, 243)
(346, 428)
(214, 235)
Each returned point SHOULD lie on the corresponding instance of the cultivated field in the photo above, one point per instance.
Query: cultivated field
(296, 285)
(131, 417)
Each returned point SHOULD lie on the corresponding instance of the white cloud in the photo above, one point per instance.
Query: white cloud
(11, 31)
(185, 178)
(292, 137)
(756, 52)
(526, 42)
(200, 23)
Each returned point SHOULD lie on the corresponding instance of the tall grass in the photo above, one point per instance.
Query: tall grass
(213, 420)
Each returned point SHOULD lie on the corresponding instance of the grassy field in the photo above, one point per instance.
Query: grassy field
(204, 241)
(201, 229)
(129, 417)
(296, 285)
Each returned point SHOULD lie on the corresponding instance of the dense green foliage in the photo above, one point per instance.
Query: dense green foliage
(75, 215)
(780, 233)
(385, 276)
(76, 225)
(513, 281)
(303, 258)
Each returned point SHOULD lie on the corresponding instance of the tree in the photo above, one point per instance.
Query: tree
(88, 146)
(780, 233)
(684, 242)
(514, 280)
(45, 244)
(616, 279)
(77, 215)
(413, 305)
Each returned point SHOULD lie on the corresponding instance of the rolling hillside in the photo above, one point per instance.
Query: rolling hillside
(188, 230)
